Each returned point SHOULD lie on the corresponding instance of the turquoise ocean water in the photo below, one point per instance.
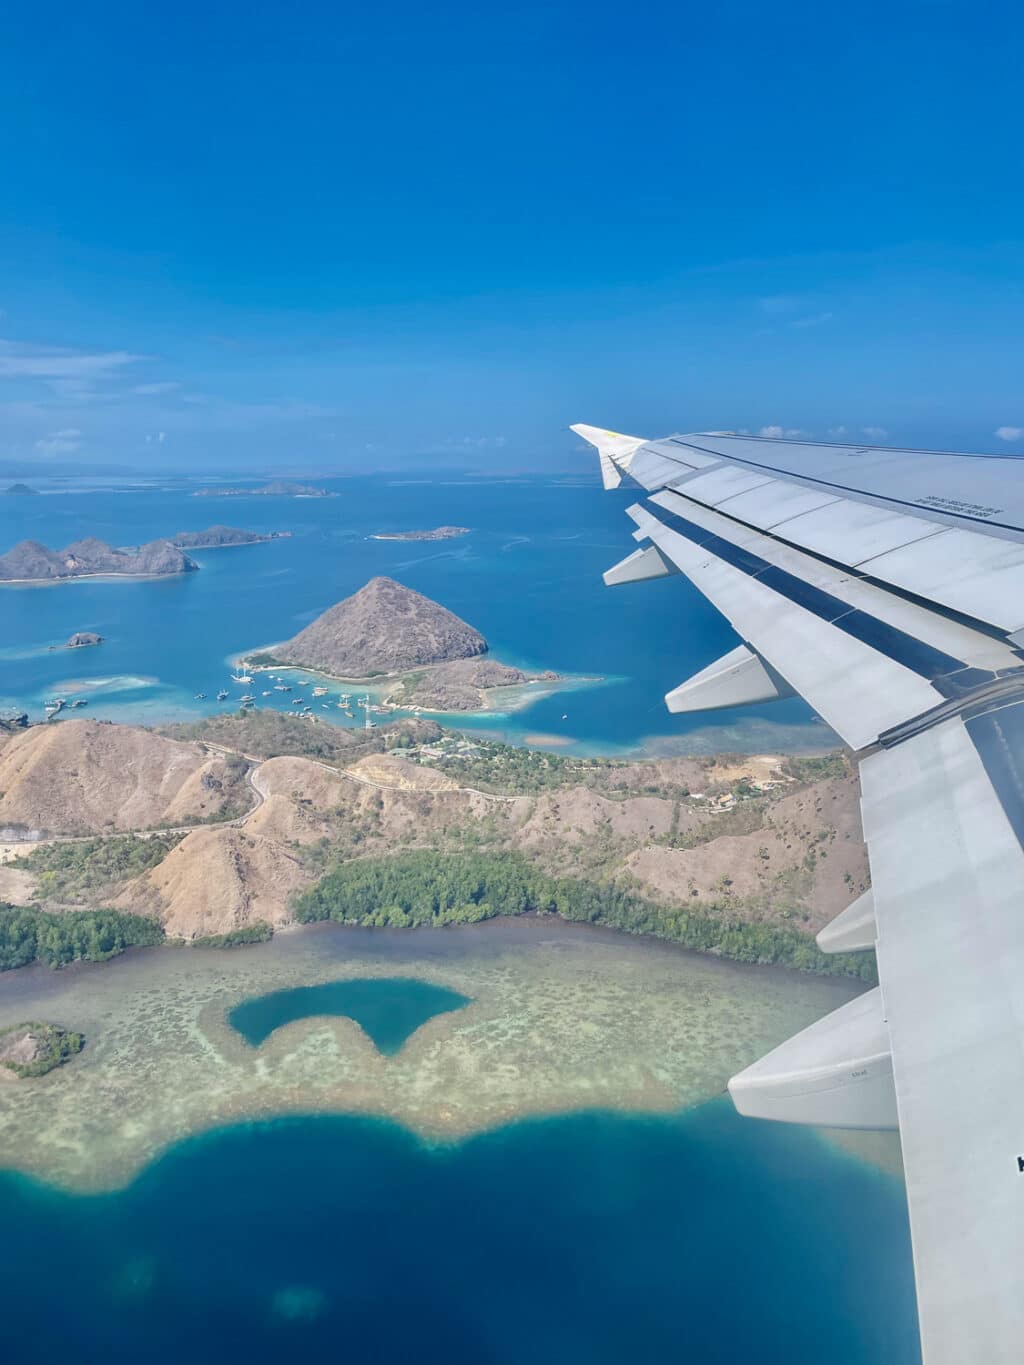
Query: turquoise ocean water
(528, 576)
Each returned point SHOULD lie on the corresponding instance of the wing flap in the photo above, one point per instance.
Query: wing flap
(835, 1074)
(947, 872)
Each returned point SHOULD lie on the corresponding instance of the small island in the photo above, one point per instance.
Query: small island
(21, 490)
(279, 488)
(438, 533)
(217, 537)
(388, 631)
(31, 562)
(82, 639)
(34, 1049)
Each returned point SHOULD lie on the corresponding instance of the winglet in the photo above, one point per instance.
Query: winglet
(615, 451)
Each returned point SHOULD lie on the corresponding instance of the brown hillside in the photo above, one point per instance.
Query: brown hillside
(83, 776)
(217, 880)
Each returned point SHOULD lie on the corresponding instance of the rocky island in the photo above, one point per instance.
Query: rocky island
(21, 490)
(383, 628)
(388, 630)
(438, 533)
(279, 488)
(30, 562)
(34, 1049)
(82, 639)
(214, 537)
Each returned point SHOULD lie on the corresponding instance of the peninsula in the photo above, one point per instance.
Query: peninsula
(30, 562)
(438, 533)
(280, 488)
(216, 537)
(264, 820)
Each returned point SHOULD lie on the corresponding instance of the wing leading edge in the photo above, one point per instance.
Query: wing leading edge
(887, 588)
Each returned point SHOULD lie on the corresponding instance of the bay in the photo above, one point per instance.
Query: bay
(528, 576)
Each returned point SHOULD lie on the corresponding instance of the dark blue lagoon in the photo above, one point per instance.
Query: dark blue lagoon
(388, 1009)
(592, 1240)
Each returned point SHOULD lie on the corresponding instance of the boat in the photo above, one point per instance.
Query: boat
(243, 678)
(296, 701)
(350, 715)
(199, 696)
(222, 695)
(268, 693)
(319, 691)
(80, 701)
(248, 697)
(282, 687)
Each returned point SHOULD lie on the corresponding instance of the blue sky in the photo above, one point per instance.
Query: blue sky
(361, 236)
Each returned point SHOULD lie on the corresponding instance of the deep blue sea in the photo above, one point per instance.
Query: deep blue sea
(528, 576)
(593, 1240)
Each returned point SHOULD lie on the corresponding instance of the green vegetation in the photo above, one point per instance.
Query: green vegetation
(816, 767)
(261, 660)
(54, 1046)
(74, 872)
(509, 768)
(257, 932)
(28, 935)
(427, 888)
(271, 734)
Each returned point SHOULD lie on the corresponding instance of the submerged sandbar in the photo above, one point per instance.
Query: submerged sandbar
(561, 1017)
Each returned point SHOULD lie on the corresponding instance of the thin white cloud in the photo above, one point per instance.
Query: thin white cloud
(777, 433)
(1009, 433)
(835, 432)
(23, 360)
(64, 442)
(874, 433)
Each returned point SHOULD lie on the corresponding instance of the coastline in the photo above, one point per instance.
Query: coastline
(378, 683)
(563, 1019)
(80, 577)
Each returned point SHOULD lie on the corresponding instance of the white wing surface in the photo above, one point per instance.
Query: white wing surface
(887, 588)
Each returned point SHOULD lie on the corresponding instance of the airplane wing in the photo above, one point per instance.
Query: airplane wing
(887, 588)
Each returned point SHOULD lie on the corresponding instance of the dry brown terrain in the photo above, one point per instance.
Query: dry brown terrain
(383, 628)
(792, 853)
(85, 776)
(217, 880)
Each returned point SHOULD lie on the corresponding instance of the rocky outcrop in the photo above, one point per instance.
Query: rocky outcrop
(29, 560)
(82, 638)
(34, 1049)
(383, 628)
(457, 686)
